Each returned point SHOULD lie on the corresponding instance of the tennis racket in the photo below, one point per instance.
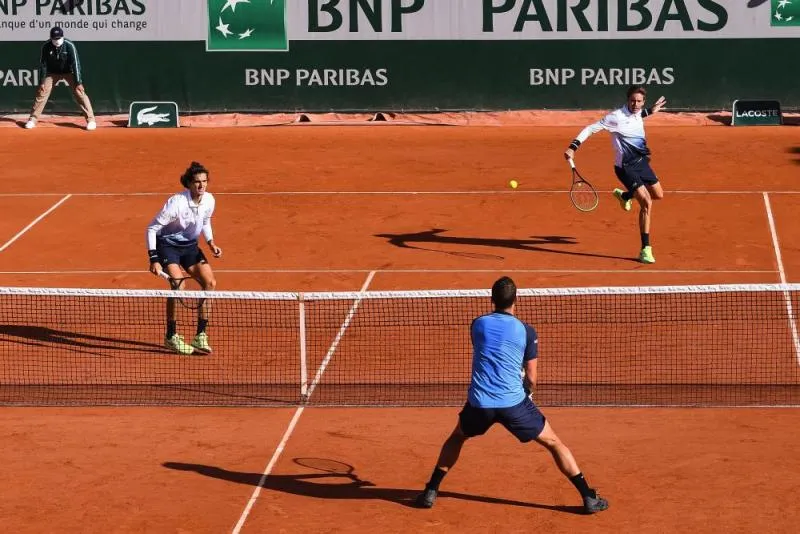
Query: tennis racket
(175, 283)
(582, 194)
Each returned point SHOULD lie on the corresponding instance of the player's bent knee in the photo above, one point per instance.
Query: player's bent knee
(210, 284)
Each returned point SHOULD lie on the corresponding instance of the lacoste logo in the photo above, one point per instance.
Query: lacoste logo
(146, 117)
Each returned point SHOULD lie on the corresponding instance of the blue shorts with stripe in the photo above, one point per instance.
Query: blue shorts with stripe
(635, 174)
(184, 255)
(524, 420)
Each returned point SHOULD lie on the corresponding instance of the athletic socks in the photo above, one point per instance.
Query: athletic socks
(645, 240)
(436, 479)
(582, 486)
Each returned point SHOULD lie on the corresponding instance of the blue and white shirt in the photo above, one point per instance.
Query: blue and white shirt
(627, 134)
(501, 344)
(181, 221)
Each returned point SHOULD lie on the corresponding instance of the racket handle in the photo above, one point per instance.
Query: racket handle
(164, 275)
(571, 162)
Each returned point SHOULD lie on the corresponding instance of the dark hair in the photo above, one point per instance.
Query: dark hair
(194, 169)
(633, 89)
(504, 293)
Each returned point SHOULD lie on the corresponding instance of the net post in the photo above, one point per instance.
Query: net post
(303, 364)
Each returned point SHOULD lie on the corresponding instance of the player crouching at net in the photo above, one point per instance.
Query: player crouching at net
(632, 159)
(172, 244)
(502, 346)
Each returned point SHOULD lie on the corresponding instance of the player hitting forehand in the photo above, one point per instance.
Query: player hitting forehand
(632, 159)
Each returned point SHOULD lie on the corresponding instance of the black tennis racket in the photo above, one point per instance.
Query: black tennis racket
(179, 284)
(582, 194)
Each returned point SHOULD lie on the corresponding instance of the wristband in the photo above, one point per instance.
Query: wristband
(153, 254)
(575, 144)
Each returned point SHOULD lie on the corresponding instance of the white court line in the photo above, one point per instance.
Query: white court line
(778, 258)
(34, 222)
(421, 193)
(268, 469)
(338, 338)
(286, 435)
(417, 271)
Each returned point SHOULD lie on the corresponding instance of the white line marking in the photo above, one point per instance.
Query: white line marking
(483, 192)
(286, 435)
(35, 221)
(268, 470)
(413, 271)
(326, 360)
(775, 244)
(787, 297)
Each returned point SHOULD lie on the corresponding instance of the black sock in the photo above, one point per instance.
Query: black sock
(582, 486)
(201, 325)
(436, 479)
(645, 240)
(172, 328)
(627, 195)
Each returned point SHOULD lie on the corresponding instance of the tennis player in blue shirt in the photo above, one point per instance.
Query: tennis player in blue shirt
(502, 346)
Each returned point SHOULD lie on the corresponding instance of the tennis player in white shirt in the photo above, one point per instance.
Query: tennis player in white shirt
(172, 245)
(632, 159)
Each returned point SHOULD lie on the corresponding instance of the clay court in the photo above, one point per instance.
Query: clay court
(397, 207)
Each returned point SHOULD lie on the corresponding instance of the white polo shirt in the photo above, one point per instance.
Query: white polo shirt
(627, 134)
(181, 220)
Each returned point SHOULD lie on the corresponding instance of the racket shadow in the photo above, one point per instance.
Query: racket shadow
(319, 485)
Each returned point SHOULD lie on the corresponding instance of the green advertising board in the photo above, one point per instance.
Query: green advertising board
(406, 55)
(153, 115)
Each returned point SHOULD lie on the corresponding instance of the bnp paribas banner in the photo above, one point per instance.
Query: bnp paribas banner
(272, 25)
(386, 55)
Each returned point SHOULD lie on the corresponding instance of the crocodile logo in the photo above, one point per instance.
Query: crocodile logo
(145, 116)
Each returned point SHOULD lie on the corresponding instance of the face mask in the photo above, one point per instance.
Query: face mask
(57, 42)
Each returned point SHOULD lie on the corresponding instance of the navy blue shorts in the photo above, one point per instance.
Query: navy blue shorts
(185, 256)
(636, 174)
(524, 420)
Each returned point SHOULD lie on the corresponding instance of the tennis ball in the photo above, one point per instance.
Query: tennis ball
(513, 184)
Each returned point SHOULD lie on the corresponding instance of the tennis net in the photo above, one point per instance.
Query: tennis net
(725, 345)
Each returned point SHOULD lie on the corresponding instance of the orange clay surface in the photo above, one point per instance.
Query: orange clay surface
(307, 208)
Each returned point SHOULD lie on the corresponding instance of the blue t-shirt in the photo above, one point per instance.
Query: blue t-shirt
(501, 344)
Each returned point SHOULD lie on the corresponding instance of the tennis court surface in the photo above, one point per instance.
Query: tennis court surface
(360, 256)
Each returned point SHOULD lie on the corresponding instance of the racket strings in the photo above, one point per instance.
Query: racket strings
(583, 196)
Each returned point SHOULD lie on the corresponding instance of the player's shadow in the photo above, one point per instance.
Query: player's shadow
(41, 336)
(534, 244)
(320, 486)
(18, 122)
(796, 151)
(65, 124)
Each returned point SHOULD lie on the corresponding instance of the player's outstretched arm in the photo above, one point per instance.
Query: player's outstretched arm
(655, 108)
(606, 123)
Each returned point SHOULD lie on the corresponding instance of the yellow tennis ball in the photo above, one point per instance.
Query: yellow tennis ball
(513, 184)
